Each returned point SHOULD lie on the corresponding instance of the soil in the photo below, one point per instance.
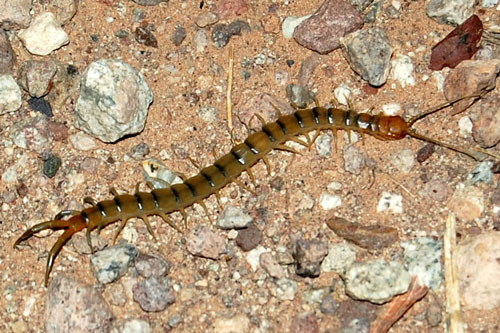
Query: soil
(174, 125)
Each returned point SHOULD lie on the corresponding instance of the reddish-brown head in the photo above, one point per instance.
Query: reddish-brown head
(392, 128)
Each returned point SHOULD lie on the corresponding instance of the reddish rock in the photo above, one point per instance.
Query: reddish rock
(230, 8)
(304, 323)
(333, 20)
(460, 44)
(370, 237)
(470, 77)
(486, 120)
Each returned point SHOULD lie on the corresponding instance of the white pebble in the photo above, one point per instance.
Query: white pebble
(391, 109)
(390, 202)
(402, 70)
(465, 125)
(342, 93)
(10, 94)
(290, 23)
(329, 201)
(44, 35)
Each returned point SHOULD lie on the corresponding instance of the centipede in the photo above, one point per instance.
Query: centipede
(226, 169)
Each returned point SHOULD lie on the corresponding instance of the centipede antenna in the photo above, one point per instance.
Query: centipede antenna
(476, 153)
(439, 107)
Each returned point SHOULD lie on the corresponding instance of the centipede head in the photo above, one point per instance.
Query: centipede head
(392, 128)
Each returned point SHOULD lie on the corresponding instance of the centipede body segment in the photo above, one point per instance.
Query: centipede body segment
(211, 179)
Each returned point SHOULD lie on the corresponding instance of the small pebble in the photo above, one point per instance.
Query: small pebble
(299, 95)
(10, 94)
(390, 202)
(328, 305)
(40, 105)
(81, 141)
(112, 263)
(148, 265)
(309, 255)
(206, 19)
(237, 324)
(253, 256)
(354, 160)
(304, 323)
(404, 160)
(153, 294)
(271, 266)
(145, 36)
(329, 201)
(44, 35)
(51, 165)
(139, 152)
(179, 35)
(340, 257)
(286, 289)
(450, 12)
(203, 242)
(290, 23)
(467, 203)
(423, 259)
(376, 281)
(233, 218)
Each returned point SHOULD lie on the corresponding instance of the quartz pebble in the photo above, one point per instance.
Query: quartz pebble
(271, 266)
(148, 265)
(354, 161)
(329, 201)
(376, 281)
(81, 141)
(402, 70)
(236, 324)
(44, 35)
(286, 289)
(10, 94)
(131, 325)
(485, 116)
(114, 100)
(112, 263)
(404, 160)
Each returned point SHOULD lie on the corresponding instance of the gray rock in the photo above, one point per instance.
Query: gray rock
(271, 266)
(44, 35)
(299, 95)
(369, 53)
(354, 160)
(249, 238)
(450, 11)
(153, 294)
(482, 173)
(423, 259)
(309, 255)
(72, 306)
(324, 144)
(376, 281)
(233, 218)
(340, 257)
(7, 55)
(113, 262)
(10, 94)
(286, 289)
(114, 100)
(35, 76)
(15, 14)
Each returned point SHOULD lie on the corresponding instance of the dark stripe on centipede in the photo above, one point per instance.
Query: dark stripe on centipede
(118, 205)
(191, 188)
(330, 116)
(176, 195)
(101, 209)
(155, 198)
(85, 217)
(269, 134)
(252, 148)
(208, 179)
(238, 157)
(139, 201)
(347, 118)
(282, 126)
(299, 119)
(221, 169)
(316, 115)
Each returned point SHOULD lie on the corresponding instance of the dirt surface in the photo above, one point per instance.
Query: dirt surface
(174, 125)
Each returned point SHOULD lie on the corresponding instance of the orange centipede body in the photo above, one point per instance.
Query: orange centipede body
(225, 170)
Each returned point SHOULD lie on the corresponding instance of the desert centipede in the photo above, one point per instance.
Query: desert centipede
(226, 169)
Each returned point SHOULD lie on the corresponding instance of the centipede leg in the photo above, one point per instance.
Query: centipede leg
(243, 186)
(184, 216)
(67, 212)
(252, 177)
(299, 141)
(268, 165)
(288, 149)
(315, 137)
(169, 221)
(202, 204)
(217, 196)
(89, 200)
(114, 192)
(148, 225)
(123, 223)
